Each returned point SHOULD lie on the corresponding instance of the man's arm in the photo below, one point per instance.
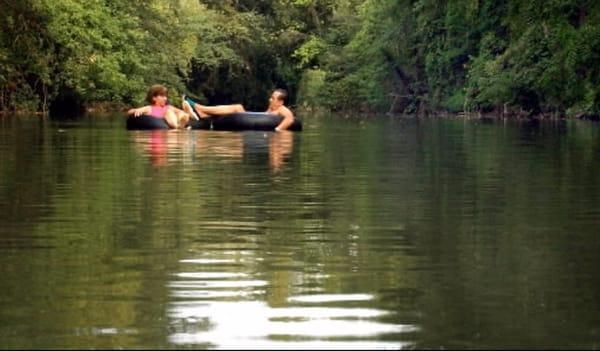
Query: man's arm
(288, 118)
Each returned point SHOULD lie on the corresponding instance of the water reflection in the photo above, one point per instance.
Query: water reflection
(216, 305)
(392, 233)
(280, 148)
(162, 147)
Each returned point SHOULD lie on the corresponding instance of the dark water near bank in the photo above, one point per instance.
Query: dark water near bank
(380, 233)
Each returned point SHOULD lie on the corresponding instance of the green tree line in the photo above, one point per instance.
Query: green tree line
(523, 57)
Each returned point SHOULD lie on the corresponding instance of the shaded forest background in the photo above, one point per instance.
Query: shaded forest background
(516, 57)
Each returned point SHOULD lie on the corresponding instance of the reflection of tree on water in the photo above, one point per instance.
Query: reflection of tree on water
(164, 146)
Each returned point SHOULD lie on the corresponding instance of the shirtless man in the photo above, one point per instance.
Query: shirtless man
(276, 107)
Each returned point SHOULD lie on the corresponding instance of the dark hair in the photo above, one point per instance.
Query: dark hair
(156, 90)
(282, 94)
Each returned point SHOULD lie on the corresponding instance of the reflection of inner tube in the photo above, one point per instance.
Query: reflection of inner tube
(234, 121)
(255, 142)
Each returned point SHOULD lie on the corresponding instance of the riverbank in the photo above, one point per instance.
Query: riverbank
(515, 114)
(111, 107)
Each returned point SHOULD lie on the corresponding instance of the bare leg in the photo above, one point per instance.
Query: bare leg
(171, 119)
(219, 110)
(183, 119)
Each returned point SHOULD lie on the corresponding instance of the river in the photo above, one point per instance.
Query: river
(356, 233)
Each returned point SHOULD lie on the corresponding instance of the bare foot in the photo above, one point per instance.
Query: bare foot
(202, 114)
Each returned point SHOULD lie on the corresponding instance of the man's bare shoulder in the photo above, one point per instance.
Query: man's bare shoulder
(280, 110)
(284, 111)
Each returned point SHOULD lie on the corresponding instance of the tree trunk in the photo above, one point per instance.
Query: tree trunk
(407, 83)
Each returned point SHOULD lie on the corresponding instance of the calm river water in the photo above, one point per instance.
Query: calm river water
(379, 233)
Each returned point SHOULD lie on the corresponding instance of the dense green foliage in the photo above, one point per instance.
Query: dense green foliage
(91, 50)
(410, 56)
(529, 57)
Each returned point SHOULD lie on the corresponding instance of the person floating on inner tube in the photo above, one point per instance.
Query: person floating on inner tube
(158, 108)
(276, 107)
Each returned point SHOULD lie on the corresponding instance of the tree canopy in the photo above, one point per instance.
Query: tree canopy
(404, 56)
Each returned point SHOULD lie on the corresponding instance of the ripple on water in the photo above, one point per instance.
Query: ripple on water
(222, 308)
(251, 324)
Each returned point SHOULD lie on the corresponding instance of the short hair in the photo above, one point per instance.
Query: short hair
(282, 94)
(156, 90)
